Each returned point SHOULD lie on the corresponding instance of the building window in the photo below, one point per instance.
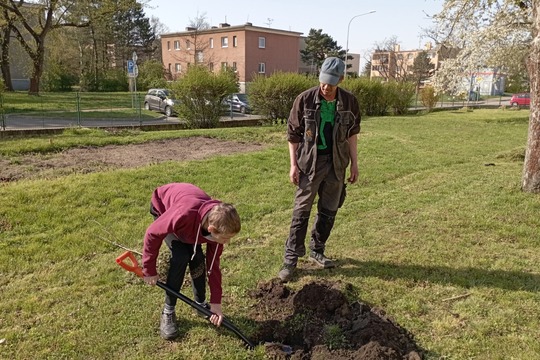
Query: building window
(234, 41)
(410, 56)
(234, 65)
(262, 68)
(224, 42)
(223, 66)
(188, 44)
(211, 67)
(178, 67)
(211, 43)
(176, 44)
(168, 45)
(262, 42)
(199, 55)
(170, 68)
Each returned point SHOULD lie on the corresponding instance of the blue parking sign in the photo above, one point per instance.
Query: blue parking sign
(130, 67)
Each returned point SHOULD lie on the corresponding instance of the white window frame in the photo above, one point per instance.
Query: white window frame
(262, 42)
(235, 41)
(176, 44)
(262, 68)
(188, 44)
(199, 56)
(211, 43)
(224, 42)
(177, 67)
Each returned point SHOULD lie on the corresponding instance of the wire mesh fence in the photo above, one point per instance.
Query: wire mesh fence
(75, 109)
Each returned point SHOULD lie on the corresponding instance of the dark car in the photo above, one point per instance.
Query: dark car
(161, 100)
(521, 99)
(239, 103)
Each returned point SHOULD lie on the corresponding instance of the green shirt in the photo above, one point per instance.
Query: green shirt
(328, 111)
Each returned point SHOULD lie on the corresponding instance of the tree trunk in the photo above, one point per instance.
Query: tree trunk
(4, 57)
(531, 168)
(4, 60)
(38, 61)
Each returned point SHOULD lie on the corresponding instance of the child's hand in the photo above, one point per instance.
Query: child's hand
(217, 316)
(151, 280)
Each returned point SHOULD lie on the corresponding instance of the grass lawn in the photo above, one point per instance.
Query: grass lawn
(75, 105)
(437, 233)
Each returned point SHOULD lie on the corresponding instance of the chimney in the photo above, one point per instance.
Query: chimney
(190, 28)
(249, 24)
(429, 45)
(397, 47)
(222, 25)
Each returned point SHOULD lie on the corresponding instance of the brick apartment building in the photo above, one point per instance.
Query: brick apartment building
(397, 64)
(249, 50)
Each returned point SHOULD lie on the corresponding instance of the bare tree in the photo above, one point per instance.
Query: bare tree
(389, 61)
(34, 21)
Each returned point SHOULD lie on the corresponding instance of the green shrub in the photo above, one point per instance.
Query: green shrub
(151, 75)
(371, 94)
(428, 97)
(273, 96)
(201, 93)
(400, 96)
(88, 81)
(58, 78)
(114, 80)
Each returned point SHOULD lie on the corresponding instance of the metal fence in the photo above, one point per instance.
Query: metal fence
(79, 110)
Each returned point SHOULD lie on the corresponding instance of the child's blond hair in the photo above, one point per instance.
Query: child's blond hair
(225, 219)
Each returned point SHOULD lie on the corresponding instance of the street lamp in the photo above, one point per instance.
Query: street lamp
(348, 28)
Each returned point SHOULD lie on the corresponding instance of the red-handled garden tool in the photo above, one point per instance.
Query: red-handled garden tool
(134, 268)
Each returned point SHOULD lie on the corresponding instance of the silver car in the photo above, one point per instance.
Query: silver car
(161, 100)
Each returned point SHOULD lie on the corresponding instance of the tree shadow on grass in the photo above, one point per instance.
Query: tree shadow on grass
(468, 277)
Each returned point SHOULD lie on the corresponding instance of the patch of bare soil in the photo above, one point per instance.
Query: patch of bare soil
(318, 322)
(91, 159)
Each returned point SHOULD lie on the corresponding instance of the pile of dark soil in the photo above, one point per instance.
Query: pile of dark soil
(318, 322)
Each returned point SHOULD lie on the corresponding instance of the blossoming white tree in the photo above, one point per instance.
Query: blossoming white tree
(491, 33)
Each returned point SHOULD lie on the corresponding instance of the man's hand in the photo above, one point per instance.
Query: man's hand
(217, 316)
(294, 174)
(151, 280)
(354, 173)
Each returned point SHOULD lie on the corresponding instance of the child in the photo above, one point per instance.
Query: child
(186, 217)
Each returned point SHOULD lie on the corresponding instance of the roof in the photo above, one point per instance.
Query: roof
(228, 28)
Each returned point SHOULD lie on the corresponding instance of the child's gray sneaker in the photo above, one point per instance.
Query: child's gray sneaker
(205, 305)
(167, 327)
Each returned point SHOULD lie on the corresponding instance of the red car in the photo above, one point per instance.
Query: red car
(522, 99)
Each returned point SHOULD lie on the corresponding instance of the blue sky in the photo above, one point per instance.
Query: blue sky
(402, 18)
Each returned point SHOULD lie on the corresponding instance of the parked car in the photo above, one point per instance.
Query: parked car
(161, 100)
(239, 103)
(521, 99)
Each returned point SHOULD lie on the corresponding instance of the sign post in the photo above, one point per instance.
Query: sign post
(133, 72)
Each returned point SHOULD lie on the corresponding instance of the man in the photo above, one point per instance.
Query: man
(322, 132)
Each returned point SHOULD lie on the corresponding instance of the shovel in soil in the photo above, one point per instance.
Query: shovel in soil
(134, 268)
